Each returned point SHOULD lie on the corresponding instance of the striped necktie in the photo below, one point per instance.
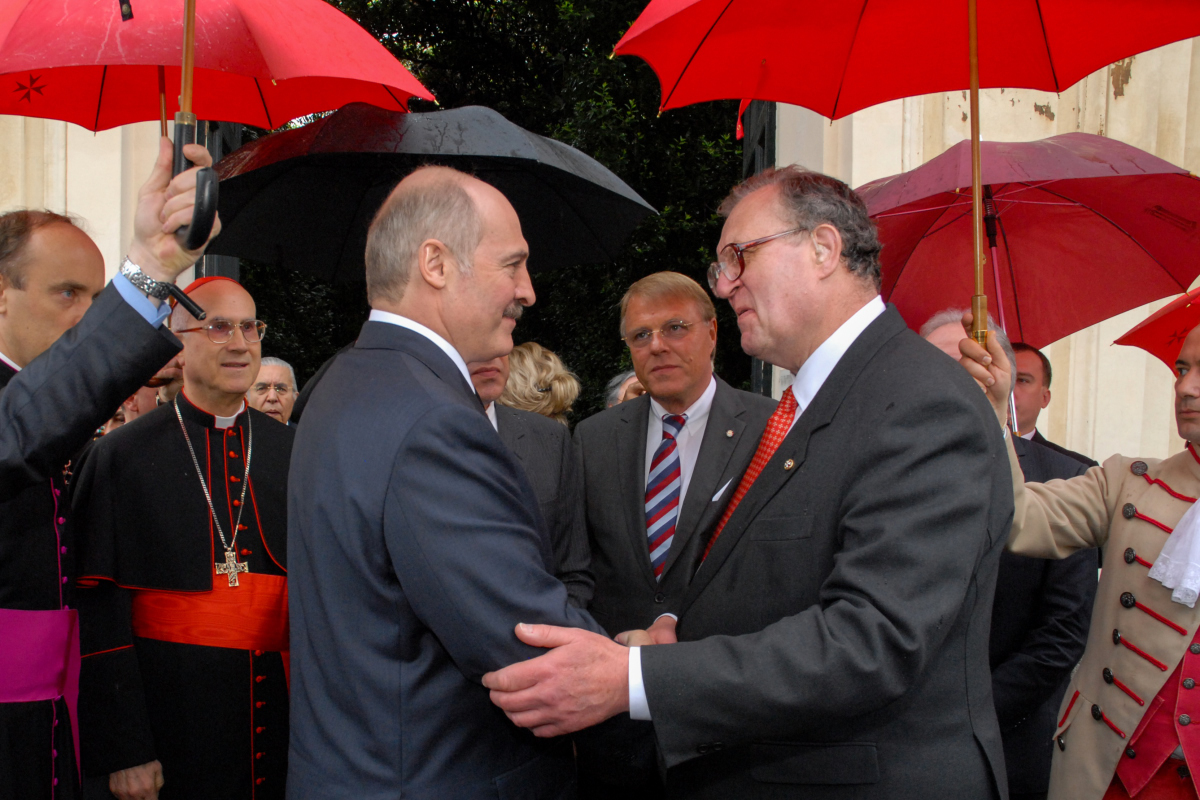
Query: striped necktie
(663, 489)
(777, 429)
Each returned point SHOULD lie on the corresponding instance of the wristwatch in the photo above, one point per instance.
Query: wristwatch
(143, 281)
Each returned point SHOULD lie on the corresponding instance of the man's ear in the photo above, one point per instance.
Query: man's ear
(1045, 398)
(433, 258)
(4, 287)
(827, 248)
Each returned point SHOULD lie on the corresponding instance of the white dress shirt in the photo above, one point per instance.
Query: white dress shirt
(687, 443)
(416, 327)
(10, 362)
(491, 414)
(808, 382)
(1029, 436)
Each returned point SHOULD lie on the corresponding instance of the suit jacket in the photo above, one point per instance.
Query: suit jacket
(1110, 507)
(544, 449)
(834, 642)
(1040, 620)
(415, 545)
(1058, 448)
(612, 447)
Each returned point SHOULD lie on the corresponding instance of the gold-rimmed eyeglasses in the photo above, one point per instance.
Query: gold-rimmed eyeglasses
(220, 331)
(732, 268)
(672, 330)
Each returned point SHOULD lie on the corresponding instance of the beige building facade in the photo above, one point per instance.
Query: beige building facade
(1106, 398)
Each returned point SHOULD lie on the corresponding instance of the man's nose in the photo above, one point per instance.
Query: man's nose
(1189, 384)
(658, 342)
(525, 294)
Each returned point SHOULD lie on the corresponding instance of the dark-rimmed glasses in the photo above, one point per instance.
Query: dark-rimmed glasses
(672, 330)
(220, 331)
(733, 268)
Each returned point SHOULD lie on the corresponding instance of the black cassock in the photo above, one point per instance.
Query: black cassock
(215, 713)
(49, 413)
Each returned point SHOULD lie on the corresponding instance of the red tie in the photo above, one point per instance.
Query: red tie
(777, 429)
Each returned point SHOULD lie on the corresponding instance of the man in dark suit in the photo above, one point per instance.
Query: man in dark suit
(1040, 614)
(1031, 390)
(834, 639)
(415, 543)
(543, 446)
(71, 351)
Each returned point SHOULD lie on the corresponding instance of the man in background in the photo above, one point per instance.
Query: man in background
(274, 390)
(544, 449)
(1031, 390)
(622, 387)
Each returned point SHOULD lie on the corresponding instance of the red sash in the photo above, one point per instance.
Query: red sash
(250, 616)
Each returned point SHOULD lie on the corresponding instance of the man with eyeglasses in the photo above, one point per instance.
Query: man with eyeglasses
(274, 390)
(833, 641)
(182, 520)
(658, 472)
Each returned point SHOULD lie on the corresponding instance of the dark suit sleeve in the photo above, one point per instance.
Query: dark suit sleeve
(465, 544)
(1057, 634)
(572, 552)
(50, 408)
(913, 531)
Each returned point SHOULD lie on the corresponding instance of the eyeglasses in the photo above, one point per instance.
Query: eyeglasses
(220, 331)
(674, 330)
(732, 268)
(280, 388)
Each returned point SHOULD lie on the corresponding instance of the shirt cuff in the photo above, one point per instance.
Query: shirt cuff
(140, 302)
(639, 706)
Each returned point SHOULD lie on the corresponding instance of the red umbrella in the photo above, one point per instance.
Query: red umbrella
(1085, 228)
(1162, 333)
(258, 62)
(838, 57)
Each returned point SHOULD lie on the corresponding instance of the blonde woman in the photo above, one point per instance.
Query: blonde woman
(539, 382)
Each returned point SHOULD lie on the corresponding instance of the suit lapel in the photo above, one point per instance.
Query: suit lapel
(795, 447)
(631, 454)
(511, 428)
(386, 336)
(716, 450)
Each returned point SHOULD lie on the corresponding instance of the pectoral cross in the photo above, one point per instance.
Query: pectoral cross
(231, 567)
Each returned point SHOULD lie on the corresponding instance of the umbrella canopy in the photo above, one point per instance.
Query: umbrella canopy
(1087, 227)
(304, 198)
(1162, 333)
(258, 62)
(837, 58)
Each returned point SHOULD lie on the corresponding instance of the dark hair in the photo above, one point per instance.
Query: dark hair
(1047, 373)
(16, 228)
(813, 199)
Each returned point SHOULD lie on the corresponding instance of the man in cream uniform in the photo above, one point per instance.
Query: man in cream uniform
(1129, 724)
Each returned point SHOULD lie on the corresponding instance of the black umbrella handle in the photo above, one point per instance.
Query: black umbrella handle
(192, 237)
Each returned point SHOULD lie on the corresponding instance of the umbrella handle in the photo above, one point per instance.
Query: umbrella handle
(193, 237)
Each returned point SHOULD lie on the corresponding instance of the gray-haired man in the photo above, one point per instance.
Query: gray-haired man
(274, 390)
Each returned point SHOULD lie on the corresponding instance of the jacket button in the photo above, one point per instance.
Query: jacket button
(259, 678)
(1184, 719)
(1129, 511)
(1117, 636)
(1188, 683)
(1194, 649)
(1062, 743)
(259, 755)
(659, 597)
(259, 781)
(259, 730)
(1138, 468)
(1096, 712)
(1130, 752)
(1130, 555)
(1128, 600)
(1108, 676)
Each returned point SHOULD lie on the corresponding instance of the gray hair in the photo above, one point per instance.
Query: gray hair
(810, 199)
(955, 315)
(439, 209)
(272, 361)
(612, 390)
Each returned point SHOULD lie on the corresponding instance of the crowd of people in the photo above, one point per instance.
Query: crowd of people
(414, 579)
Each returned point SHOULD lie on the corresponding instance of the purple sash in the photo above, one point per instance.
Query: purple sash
(39, 659)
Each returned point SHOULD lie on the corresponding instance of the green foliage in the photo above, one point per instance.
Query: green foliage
(545, 65)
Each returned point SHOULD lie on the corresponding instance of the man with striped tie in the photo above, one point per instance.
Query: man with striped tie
(833, 641)
(658, 471)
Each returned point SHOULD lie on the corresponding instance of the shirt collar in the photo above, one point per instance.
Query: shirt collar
(10, 362)
(378, 315)
(816, 369)
(192, 411)
(491, 415)
(697, 411)
(1029, 436)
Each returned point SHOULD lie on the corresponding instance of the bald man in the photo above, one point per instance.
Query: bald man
(183, 600)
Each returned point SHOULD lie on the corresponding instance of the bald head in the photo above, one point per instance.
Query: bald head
(217, 375)
(433, 203)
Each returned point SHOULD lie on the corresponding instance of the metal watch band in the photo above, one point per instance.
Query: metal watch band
(143, 281)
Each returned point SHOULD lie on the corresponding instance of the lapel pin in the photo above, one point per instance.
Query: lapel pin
(729, 434)
(788, 464)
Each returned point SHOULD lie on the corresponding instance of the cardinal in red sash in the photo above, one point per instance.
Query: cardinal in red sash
(182, 521)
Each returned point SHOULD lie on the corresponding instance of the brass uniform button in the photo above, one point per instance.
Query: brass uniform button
(1130, 752)
(1107, 675)
(1129, 510)
(1138, 468)
(1188, 683)
(1195, 649)
(1117, 637)
(1130, 555)
(1184, 719)
(1097, 714)
(1128, 600)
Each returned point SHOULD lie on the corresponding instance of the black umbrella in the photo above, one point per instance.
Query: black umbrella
(304, 198)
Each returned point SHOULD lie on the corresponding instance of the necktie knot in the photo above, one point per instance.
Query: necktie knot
(787, 403)
(673, 424)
